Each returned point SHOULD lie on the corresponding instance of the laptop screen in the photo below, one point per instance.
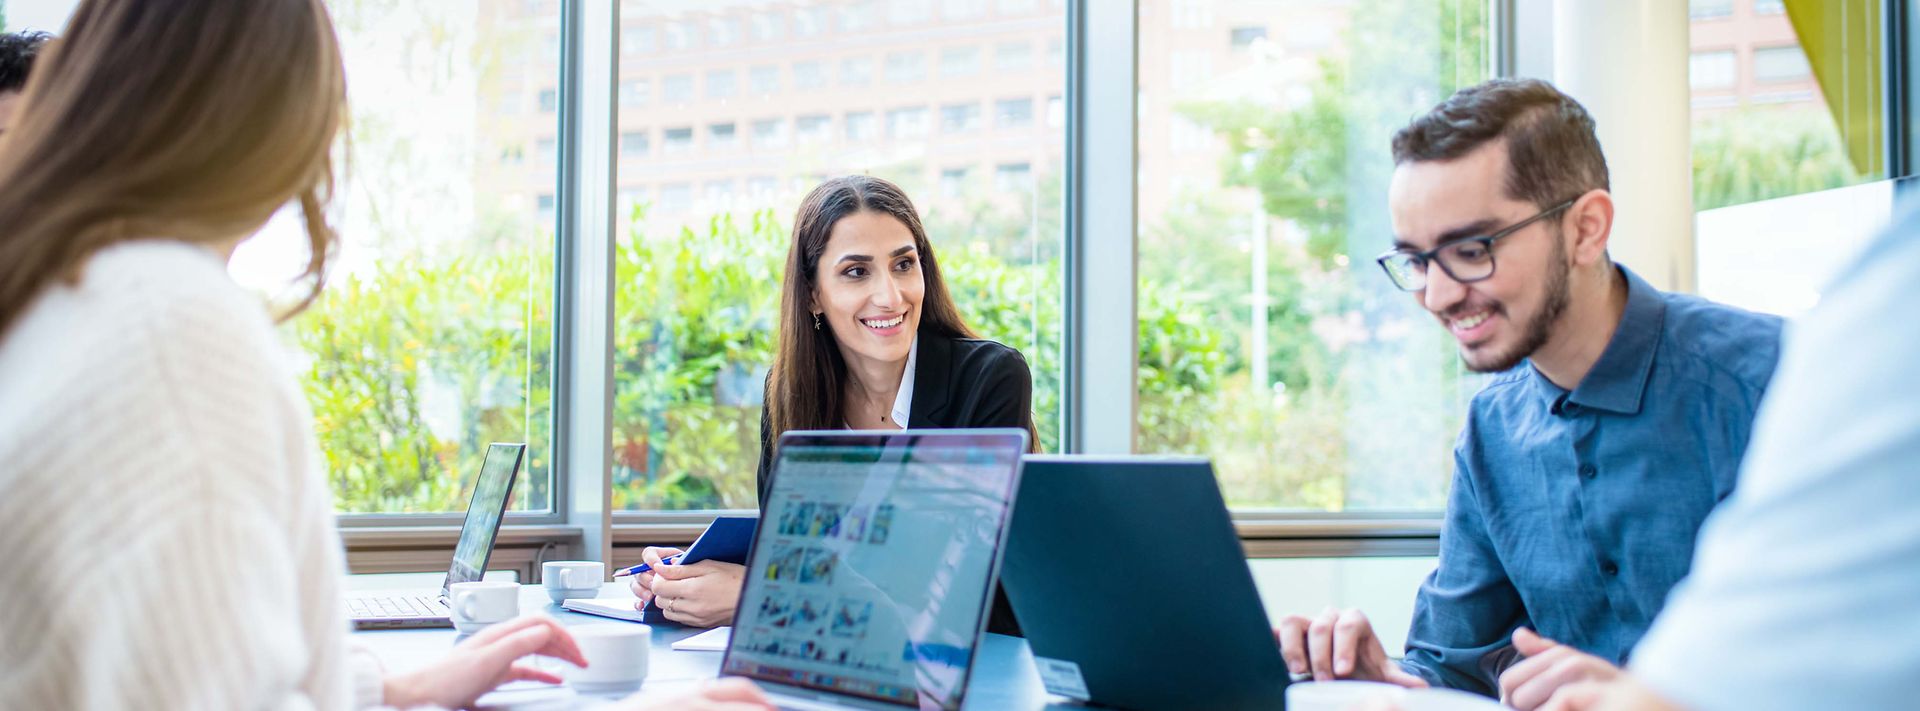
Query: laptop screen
(870, 574)
(490, 493)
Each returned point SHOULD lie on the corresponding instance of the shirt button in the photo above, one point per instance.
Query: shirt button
(1610, 569)
(1588, 471)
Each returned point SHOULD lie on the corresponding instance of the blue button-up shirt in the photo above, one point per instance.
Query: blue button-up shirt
(1575, 512)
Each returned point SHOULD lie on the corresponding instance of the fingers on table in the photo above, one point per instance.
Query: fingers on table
(1535, 693)
(1350, 632)
(525, 672)
(533, 634)
(1292, 637)
(1320, 644)
(735, 689)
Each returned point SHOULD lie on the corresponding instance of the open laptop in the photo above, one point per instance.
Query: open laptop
(1096, 537)
(872, 571)
(491, 492)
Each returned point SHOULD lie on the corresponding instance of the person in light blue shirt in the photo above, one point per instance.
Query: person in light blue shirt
(1617, 421)
(1805, 592)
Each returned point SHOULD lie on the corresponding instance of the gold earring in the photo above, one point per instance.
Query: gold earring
(816, 322)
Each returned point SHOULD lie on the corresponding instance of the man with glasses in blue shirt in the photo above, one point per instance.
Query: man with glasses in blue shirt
(1616, 423)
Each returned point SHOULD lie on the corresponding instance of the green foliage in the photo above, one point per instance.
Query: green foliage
(1762, 153)
(413, 369)
(1338, 343)
(416, 365)
(696, 314)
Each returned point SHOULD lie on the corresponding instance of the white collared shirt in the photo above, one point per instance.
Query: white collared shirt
(1806, 577)
(903, 400)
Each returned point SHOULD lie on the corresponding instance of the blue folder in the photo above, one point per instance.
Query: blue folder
(727, 541)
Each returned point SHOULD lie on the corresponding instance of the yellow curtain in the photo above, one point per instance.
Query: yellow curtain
(1843, 40)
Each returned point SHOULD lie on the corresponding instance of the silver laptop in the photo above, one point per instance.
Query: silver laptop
(491, 492)
(873, 568)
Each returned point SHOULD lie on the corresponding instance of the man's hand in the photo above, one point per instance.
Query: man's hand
(730, 694)
(642, 584)
(1621, 694)
(1339, 645)
(699, 595)
(483, 662)
(1549, 666)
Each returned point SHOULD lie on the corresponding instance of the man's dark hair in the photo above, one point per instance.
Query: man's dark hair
(1552, 152)
(17, 51)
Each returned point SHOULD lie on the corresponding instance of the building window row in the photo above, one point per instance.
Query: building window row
(907, 122)
(903, 67)
(722, 32)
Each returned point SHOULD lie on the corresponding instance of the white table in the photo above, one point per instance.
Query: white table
(1003, 675)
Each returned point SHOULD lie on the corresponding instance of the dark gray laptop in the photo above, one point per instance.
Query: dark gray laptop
(491, 492)
(872, 569)
(1133, 590)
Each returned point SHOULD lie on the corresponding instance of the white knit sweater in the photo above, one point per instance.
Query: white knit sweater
(166, 536)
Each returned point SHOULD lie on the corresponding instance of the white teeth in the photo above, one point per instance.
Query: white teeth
(1469, 322)
(889, 323)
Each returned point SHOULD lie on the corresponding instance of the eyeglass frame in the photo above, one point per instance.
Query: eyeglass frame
(1431, 256)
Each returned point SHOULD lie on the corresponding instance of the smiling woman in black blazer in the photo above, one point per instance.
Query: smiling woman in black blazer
(958, 382)
(869, 339)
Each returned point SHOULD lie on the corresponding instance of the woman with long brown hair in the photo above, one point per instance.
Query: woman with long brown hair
(869, 339)
(169, 535)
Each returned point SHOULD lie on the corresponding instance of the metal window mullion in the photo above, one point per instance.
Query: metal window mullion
(1897, 78)
(1102, 250)
(583, 313)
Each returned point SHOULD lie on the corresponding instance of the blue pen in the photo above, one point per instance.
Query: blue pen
(643, 567)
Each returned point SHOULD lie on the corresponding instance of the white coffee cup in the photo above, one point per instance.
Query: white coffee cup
(1339, 695)
(483, 602)
(572, 578)
(616, 655)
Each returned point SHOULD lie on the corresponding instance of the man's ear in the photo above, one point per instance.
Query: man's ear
(1589, 224)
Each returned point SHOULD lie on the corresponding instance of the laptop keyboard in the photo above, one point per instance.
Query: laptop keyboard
(374, 607)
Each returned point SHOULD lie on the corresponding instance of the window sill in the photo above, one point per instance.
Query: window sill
(412, 549)
(1264, 534)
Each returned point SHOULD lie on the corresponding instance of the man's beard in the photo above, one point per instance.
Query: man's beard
(1540, 327)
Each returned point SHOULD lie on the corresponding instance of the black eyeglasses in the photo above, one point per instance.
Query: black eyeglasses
(1465, 260)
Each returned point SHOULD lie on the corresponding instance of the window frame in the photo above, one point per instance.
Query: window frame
(1099, 389)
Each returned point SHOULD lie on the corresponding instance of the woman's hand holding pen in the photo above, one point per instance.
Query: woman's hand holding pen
(642, 583)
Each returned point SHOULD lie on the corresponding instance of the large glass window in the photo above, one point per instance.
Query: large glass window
(1786, 102)
(1268, 339)
(701, 250)
(434, 335)
(1805, 114)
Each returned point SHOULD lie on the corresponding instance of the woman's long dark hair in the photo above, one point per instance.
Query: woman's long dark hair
(809, 376)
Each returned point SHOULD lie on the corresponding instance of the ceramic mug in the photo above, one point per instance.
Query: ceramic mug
(482, 602)
(616, 655)
(572, 578)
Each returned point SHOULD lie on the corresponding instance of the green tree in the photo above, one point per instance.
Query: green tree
(414, 366)
(1754, 154)
(1317, 164)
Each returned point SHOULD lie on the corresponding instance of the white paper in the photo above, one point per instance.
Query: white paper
(713, 640)
(619, 608)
